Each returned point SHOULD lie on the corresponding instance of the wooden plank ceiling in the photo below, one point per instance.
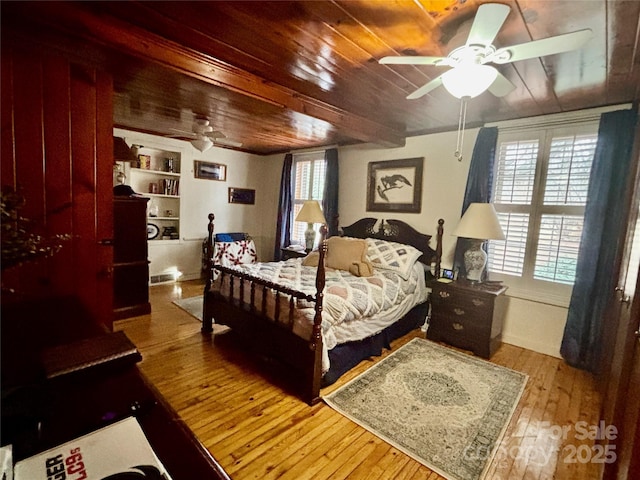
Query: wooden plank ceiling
(279, 76)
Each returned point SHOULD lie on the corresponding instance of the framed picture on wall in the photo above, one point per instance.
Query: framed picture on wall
(242, 195)
(209, 170)
(395, 185)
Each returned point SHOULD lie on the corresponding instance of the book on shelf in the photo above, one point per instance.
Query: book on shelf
(119, 450)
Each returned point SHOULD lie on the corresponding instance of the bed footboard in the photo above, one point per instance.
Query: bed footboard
(272, 335)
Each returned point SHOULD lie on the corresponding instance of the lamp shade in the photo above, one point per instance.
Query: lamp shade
(480, 221)
(469, 80)
(311, 213)
(202, 143)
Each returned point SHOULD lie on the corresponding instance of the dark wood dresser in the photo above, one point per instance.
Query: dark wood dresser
(66, 377)
(130, 257)
(467, 316)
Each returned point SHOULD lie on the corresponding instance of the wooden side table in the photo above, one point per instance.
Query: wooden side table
(467, 316)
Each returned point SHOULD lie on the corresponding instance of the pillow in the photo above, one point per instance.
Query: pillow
(231, 237)
(361, 269)
(223, 237)
(311, 260)
(392, 256)
(344, 253)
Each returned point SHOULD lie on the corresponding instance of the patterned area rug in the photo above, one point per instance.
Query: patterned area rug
(443, 408)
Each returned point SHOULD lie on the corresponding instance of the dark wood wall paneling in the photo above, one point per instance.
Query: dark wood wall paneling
(57, 149)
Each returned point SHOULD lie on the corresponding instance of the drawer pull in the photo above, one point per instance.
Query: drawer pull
(457, 326)
(458, 311)
(444, 294)
(478, 302)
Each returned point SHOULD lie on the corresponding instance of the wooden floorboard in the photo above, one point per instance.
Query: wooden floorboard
(253, 424)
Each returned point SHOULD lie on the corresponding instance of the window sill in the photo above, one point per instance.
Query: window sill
(548, 293)
(539, 297)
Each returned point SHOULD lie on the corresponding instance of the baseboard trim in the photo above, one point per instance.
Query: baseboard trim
(540, 347)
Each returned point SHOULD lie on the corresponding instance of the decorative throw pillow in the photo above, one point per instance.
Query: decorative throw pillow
(223, 237)
(342, 252)
(393, 256)
(361, 269)
(311, 260)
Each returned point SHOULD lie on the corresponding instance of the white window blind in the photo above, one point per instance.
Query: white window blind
(558, 245)
(569, 168)
(309, 171)
(515, 172)
(508, 256)
(541, 180)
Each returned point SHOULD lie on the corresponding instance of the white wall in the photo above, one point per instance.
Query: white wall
(200, 197)
(528, 324)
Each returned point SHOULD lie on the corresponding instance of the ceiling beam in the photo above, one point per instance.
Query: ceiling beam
(131, 40)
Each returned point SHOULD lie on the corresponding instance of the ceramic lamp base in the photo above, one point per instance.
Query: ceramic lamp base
(475, 260)
(309, 237)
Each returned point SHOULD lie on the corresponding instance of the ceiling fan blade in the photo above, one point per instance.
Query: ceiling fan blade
(501, 86)
(226, 141)
(183, 132)
(412, 60)
(216, 134)
(489, 19)
(541, 48)
(435, 83)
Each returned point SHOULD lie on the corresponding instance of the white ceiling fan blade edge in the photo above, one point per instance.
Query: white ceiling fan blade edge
(433, 84)
(541, 48)
(225, 141)
(411, 60)
(487, 23)
(501, 86)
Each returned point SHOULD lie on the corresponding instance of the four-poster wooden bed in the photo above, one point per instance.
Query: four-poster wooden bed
(289, 321)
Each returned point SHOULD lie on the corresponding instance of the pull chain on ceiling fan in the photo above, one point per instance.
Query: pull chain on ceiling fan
(470, 75)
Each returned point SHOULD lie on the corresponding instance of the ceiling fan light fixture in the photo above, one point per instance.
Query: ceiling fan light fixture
(202, 143)
(469, 80)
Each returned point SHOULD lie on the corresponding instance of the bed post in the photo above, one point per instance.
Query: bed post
(207, 320)
(439, 247)
(315, 343)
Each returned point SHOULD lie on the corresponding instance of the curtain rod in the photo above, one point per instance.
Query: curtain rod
(556, 119)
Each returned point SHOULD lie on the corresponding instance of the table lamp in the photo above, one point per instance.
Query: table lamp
(310, 213)
(479, 223)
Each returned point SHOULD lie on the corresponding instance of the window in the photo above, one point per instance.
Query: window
(308, 172)
(540, 187)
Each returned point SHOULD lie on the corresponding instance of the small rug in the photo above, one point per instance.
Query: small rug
(192, 305)
(446, 409)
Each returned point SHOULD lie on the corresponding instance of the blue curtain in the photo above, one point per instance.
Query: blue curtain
(330, 195)
(605, 221)
(479, 183)
(285, 209)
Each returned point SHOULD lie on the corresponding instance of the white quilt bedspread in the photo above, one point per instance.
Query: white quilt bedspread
(353, 308)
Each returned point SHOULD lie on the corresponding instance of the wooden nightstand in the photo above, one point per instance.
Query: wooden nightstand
(287, 253)
(467, 316)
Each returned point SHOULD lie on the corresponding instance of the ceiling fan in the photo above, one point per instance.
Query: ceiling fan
(205, 137)
(470, 75)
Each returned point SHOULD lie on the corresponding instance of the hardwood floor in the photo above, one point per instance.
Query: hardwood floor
(244, 414)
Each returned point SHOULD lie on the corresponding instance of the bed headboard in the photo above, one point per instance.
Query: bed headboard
(401, 232)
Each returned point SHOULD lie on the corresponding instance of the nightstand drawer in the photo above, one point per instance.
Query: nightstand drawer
(467, 316)
(460, 323)
(448, 299)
